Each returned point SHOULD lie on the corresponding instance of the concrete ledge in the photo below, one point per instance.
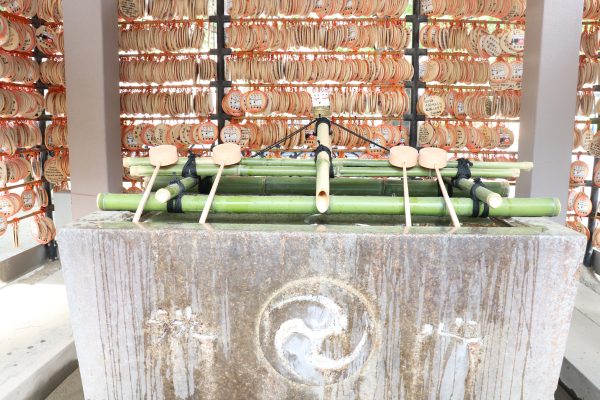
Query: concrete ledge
(37, 351)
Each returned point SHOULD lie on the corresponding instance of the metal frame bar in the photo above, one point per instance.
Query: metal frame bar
(588, 259)
(52, 247)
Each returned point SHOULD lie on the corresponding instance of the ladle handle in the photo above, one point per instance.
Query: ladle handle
(211, 196)
(142, 205)
(406, 198)
(449, 204)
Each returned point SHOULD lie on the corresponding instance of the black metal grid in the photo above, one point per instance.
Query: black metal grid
(220, 19)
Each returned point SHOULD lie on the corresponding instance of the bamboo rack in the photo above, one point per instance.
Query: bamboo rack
(269, 186)
(26, 184)
(523, 166)
(462, 54)
(162, 117)
(16, 18)
(6, 84)
(18, 119)
(302, 118)
(17, 53)
(340, 171)
(21, 151)
(55, 56)
(319, 53)
(144, 55)
(163, 88)
(173, 118)
(476, 21)
(484, 152)
(132, 86)
(16, 220)
(451, 119)
(156, 22)
(458, 87)
(338, 205)
(319, 20)
(320, 85)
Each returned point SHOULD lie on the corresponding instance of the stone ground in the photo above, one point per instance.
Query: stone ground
(36, 341)
(580, 369)
(71, 389)
(561, 394)
(7, 249)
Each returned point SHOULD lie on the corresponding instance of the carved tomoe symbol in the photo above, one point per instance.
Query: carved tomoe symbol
(317, 332)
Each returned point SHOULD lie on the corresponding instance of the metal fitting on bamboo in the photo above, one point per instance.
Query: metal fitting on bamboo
(323, 165)
(420, 206)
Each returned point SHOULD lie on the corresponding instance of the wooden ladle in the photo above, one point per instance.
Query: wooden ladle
(433, 158)
(223, 155)
(160, 156)
(405, 157)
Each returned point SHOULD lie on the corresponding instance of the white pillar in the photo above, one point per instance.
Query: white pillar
(92, 73)
(551, 61)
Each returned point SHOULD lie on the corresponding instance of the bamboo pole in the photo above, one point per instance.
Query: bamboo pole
(338, 162)
(212, 194)
(494, 200)
(323, 164)
(341, 171)
(274, 185)
(407, 213)
(422, 206)
(421, 172)
(146, 195)
(171, 191)
(447, 199)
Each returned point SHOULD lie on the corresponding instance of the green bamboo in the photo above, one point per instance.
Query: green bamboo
(275, 185)
(250, 170)
(338, 162)
(422, 206)
(484, 194)
(173, 190)
(234, 170)
(418, 171)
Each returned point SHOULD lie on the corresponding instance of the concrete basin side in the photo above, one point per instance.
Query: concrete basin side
(275, 311)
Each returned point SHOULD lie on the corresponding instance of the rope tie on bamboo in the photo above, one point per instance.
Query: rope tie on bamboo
(320, 148)
(174, 205)
(205, 185)
(189, 169)
(486, 208)
(464, 172)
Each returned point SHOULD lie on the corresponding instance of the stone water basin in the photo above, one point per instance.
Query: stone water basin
(348, 307)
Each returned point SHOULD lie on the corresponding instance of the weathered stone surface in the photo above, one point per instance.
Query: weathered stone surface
(242, 311)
